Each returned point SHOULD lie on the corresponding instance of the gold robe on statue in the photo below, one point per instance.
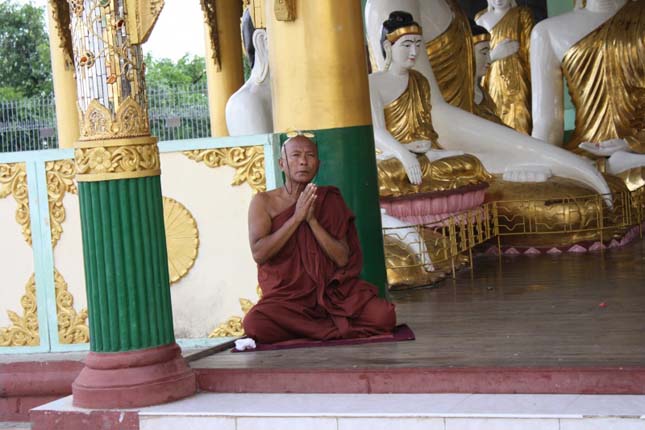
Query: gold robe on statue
(508, 80)
(453, 61)
(408, 119)
(605, 72)
(486, 108)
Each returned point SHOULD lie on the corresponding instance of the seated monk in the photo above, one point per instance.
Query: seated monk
(309, 260)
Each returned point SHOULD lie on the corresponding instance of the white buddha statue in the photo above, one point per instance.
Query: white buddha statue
(501, 150)
(598, 47)
(248, 110)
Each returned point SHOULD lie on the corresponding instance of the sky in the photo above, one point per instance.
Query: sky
(179, 30)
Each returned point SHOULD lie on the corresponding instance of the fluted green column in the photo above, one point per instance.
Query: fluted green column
(126, 264)
(133, 360)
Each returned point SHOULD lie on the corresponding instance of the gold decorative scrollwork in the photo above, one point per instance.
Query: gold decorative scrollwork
(248, 162)
(60, 13)
(72, 326)
(133, 159)
(210, 16)
(233, 326)
(24, 329)
(13, 181)
(182, 238)
(60, 180)
(130, 120)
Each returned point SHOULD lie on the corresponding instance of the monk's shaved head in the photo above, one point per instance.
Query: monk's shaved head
(297, 141)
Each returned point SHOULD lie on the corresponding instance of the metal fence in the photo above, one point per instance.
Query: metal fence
(179, 112)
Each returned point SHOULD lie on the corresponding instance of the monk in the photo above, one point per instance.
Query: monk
(309, 260)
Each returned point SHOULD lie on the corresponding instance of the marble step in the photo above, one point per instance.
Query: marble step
(214, 411)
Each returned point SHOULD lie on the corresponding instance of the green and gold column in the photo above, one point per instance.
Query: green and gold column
(319, 83)
(133, 360)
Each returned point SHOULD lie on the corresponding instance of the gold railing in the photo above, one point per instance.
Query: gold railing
(440, 245)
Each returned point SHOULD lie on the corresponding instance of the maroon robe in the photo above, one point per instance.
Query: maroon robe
(306, 295)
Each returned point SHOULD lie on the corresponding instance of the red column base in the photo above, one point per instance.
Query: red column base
(133, 379)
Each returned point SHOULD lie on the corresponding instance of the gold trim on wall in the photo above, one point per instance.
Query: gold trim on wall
(247, 161)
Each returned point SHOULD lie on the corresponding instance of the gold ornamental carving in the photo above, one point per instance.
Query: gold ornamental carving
(247, 161)
(129, 120)
(24, 329)
(233, 326)
(60, 180)
(210, 17)
(13, 181)
(134, 158)
(182, 238)
(72, 326)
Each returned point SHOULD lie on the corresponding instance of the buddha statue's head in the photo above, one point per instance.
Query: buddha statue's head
(501, 5)
(481, 47)
(401, 40)
(254, 40)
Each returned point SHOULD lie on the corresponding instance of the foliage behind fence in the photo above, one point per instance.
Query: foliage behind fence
(179, 112)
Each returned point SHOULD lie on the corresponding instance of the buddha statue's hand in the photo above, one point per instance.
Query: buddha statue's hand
(411, 165)
(419, 146)
(438, 154)
(605, 148)
(505, 48)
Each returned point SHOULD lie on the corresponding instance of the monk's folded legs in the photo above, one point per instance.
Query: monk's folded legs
(376, 317)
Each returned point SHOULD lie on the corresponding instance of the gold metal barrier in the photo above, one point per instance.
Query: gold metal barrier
(414, 250)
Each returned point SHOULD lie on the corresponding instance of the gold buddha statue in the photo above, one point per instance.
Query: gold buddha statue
(508, 80)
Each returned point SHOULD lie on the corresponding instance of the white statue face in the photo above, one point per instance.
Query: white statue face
(500, 4)
(406, 49)
(482, 58)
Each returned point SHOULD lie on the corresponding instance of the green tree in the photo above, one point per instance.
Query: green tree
(25, 63)
(164, 73)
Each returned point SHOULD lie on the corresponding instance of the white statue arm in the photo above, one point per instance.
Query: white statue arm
(505, 48)
(387, 144)
(547, 90)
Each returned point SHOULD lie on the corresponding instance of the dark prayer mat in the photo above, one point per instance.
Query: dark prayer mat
(401, 332)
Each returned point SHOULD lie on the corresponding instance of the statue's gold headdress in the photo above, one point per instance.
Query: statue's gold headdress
(403, 31)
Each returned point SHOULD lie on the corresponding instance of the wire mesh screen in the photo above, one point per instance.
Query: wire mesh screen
(179, 112)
